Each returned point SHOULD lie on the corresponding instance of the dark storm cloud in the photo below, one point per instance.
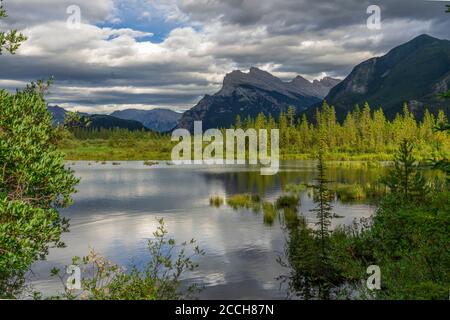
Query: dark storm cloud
(107, 68)
(290, 16)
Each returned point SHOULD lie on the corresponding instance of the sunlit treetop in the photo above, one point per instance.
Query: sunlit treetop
(11, 40)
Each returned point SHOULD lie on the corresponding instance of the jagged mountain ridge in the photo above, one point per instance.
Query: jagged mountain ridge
(413, 73)
(248, 94)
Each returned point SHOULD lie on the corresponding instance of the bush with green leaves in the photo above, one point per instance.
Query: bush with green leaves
(160, 279)
(34, 184)
(408, 238)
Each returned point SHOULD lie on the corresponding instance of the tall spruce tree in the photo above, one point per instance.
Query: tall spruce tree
(405, 180)
(324, 214)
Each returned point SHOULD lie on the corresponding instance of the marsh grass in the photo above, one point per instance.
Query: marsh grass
(270, 213)
(245, 201)
(294, 188)
(356, 192)
(216, 201)
(287, 201)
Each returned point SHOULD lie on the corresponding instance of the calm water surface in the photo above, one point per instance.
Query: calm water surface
(116, 207)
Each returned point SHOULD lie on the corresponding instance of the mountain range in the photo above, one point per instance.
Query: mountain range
(413, 73)
(160, 120)
(248, 94)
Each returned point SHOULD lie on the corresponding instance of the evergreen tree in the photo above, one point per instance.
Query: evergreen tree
(365, 127)
(11, 40)
(404, 179)
(304, 134)
(260, 122)
(350, 131)
(283, 126)
(238, 124)
(291, 116)
(379, 129)
(323, 207)
(323, 210)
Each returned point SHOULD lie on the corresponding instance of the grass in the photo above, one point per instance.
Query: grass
(110, 146)
(270, 213)
(294, 188)
(245, 201)
(216, 201)
(356, 192)
(287, 201)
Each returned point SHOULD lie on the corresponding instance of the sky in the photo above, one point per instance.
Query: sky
(169, 53)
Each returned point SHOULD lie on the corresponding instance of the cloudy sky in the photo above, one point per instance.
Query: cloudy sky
(168, 53)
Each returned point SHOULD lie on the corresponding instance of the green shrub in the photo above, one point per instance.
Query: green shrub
(34, 183)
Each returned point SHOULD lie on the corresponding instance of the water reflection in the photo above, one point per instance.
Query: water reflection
(115, 209)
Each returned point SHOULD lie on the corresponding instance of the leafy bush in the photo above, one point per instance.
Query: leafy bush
(160, 279)
(33, 184)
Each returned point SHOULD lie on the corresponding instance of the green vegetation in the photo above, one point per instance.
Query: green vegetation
(216, 201)
(358, 192)
(160, 279)
(34, 184)
(287, 201)
(10, 41)
(407, 238)
(294, 188)
(245, 201)
(365, 135)
(115, 145)
(270, 213)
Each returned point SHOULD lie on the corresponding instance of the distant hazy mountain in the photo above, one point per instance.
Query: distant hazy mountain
(157, 119)
(58, 113)
(412, 73)
(109, 122)
(97, 120)
(248, 94)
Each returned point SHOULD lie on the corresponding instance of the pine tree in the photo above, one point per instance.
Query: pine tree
(323, 207)
(260, 121)
(404, 179)
(350, 132)
(291, 116)
(304, 133)
(365, 127)
(324, 215)
(379, 129)
(9, 41)
(238, 124)
(283, 126)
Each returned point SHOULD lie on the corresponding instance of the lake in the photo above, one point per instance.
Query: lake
(116, 207)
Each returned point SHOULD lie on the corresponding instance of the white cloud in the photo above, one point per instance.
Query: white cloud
(98, 67)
